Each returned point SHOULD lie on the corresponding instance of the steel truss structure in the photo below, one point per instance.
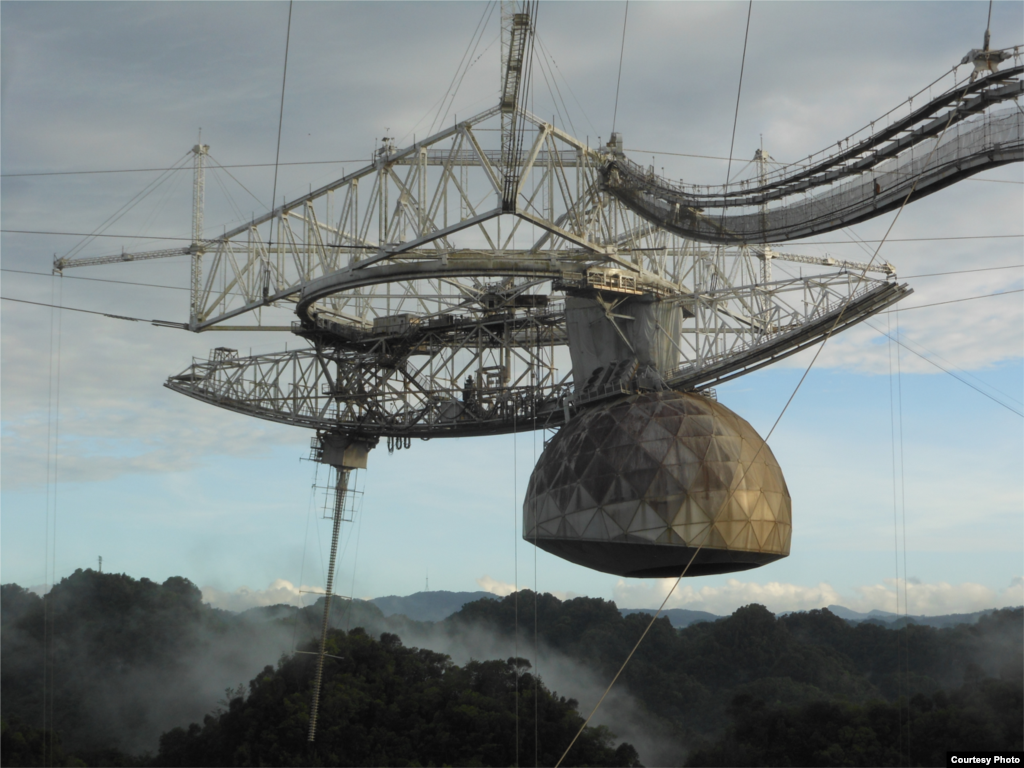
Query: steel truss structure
(431, 311)
(430, 284)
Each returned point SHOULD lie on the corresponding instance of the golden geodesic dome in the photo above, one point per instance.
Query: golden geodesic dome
(634, 486)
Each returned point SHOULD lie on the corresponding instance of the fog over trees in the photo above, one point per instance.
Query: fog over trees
(146, 673)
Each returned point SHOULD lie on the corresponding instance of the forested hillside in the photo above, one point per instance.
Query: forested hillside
(720, 687)
(691, 675)
(384, 704)
(139, 667)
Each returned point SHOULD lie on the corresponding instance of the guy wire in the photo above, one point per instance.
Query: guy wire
(355, 558)
(515, 557)
(310, 508)
(280, 117)
(618, 80)
(895, 541)
(903, 514)
(49, 656)
(46, 515)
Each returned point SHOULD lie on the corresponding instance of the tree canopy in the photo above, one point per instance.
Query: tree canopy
(385, 704)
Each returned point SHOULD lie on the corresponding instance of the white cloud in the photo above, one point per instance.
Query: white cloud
(922, 599)
(495, 587)
(279, 592)
(503, 588)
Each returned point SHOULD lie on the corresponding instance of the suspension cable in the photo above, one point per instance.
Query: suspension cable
(903, 514)
(895, 542)
(281, 114)
(618, 80)
(739, 91)
(160, 323)
(946, 370)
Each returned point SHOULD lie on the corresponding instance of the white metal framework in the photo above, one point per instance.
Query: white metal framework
(409, 278)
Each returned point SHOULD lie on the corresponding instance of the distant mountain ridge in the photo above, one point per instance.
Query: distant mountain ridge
(887, 618)
(439, 605)
(428, 606)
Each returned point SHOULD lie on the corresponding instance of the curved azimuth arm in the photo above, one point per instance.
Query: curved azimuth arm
(949, 138)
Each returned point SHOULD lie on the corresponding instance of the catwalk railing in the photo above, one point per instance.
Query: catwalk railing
(952, 137)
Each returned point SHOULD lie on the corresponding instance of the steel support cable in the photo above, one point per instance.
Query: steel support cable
(548, 60)
(173, 186)
(536, 604)
(239, 216)
(736, 483)
(116, 215)
(951, 373)
(310, 507)
(49, 657)
(924, 356)
(96, 235)
(739, 92)
(474, 43)
(903, 513)
(618, 80)
(224, 168)
(735, 120)
(957, 301)
(355, 564)
(556, 99)
(515, 561)
(159, 323)
(176, 168)
(46, 538)
(95, 279)
(280, 116)
(568, 85)
(896, 543)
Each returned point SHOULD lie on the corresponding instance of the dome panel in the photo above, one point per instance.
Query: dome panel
(762, 528)
(596, 528)
(623, 513)
(640, 479)
(692, 533)
(646, 519)
(658, 449)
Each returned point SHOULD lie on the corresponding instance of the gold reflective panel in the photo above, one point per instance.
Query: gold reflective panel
(635, 486)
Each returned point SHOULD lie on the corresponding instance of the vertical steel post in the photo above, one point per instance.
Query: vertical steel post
(199, 152)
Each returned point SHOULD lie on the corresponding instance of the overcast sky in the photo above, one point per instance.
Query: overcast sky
(160, 485)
